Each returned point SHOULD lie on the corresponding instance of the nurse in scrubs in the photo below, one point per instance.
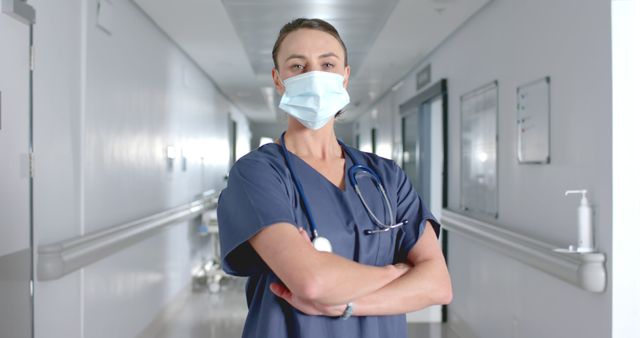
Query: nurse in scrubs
(324, 259)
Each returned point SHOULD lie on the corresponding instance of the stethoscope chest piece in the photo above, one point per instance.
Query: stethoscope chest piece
(322, 244)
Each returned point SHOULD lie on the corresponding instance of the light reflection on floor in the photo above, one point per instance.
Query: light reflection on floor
(222, 315)
(210, 315)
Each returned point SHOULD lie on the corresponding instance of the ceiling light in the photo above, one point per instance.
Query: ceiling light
(172, 152)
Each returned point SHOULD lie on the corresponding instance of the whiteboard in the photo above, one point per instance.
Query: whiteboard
(479, 141)
(534, 109)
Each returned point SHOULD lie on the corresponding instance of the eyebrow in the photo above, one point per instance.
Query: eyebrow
(325, 55)
(295, 56)
(298, 56)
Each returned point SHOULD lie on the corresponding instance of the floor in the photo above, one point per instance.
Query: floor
(210, 315)
(222, 314)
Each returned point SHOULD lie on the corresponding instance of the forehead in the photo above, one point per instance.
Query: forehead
(309, 42)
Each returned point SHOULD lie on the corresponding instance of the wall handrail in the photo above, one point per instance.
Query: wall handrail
(58, 259)
(585, 270)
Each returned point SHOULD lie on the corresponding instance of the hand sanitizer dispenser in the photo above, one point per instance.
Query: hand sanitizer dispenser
(585, 223)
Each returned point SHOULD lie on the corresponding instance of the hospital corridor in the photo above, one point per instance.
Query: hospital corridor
(319, 168)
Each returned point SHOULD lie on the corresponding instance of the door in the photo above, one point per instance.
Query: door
(423, 131)
(233, 141)
(16, 263)
(374, 140)
(423, 151)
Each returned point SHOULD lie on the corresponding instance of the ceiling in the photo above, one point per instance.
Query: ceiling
(231, 40)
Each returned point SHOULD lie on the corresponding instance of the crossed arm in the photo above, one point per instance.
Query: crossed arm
(320, 283)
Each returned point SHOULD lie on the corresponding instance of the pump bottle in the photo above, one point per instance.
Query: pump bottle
(585, 223)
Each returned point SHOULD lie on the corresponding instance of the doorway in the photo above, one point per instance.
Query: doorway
(233, 141)
(424, 161)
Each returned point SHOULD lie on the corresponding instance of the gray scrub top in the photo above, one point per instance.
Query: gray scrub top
(261, 192)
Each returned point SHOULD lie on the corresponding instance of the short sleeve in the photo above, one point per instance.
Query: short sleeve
(256, 197)
(412, 209)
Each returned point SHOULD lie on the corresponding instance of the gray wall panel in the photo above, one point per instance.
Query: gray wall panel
(15, 222)
(15, 303)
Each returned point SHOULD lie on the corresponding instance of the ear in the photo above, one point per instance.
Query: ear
(277, 82)
(347, 72)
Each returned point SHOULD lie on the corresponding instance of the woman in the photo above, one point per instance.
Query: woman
(365, 268)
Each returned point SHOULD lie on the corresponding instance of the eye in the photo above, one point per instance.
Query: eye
(297, 67)
(328, 65)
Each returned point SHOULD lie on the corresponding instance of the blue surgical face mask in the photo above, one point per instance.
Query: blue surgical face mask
(313, 98)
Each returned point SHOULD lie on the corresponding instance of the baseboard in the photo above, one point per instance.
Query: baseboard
(170, 311)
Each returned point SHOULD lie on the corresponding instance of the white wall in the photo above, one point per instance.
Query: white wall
(626, 166)
(106, 108)
(515, 42)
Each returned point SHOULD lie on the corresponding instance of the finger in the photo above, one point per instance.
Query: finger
(283, 292)
(304, 234)
(403, 266)
(276, 289)
(280, 290)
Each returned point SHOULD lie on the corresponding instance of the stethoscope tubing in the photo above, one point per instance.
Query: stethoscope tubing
(353, 171)
(305, 203)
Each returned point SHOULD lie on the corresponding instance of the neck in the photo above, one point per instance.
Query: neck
(318, 144)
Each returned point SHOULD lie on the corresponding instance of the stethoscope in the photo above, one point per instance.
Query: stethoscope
(322, 243)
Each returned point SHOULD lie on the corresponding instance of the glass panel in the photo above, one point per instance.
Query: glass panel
(374, 140)
(410, 146)
(233, 140)
(436, 157)
(479, 181)
(424, 166)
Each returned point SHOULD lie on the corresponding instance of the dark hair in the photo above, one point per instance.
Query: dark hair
(302, 23)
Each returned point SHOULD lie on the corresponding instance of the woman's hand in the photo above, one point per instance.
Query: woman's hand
(305, 306)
